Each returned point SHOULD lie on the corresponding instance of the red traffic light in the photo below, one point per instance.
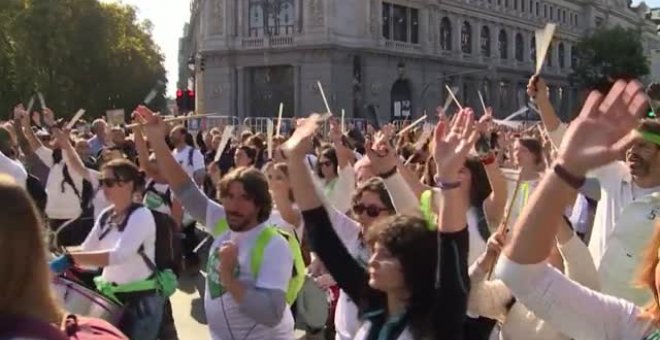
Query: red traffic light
(191, 93)
(179, 93)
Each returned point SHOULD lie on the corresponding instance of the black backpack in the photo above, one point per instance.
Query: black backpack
(166, 196)
(168, 247)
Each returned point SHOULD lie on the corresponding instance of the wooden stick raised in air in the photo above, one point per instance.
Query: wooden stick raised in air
(451, 93)
(175, 119)
(543, 39)
(405, 129)
(507, 214)
(75, 119)
(279, 120)
(483, 103)
(325, 100)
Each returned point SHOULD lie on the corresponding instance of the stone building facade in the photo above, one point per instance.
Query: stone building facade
(392, 57)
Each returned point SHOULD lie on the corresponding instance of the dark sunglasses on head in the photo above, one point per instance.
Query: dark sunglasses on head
(109, 182)
(371, 210)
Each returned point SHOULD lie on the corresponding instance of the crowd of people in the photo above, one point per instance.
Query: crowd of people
(468, 230)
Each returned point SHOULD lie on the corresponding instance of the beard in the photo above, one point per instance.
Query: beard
(638, 166)
(238, 222)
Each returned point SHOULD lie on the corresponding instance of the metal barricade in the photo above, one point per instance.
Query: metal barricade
(219, 121)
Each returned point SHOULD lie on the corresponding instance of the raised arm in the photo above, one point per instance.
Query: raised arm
(324, 240)
(495, 203)
(71, 157)
(598, 136)
(450, 151)
(142, 150)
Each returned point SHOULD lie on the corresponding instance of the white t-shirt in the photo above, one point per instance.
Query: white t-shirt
(62, 203)
(126, 265)
(14, 169)
(225, 319)
(184, 158)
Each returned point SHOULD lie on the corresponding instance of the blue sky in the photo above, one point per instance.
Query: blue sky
(168, 17)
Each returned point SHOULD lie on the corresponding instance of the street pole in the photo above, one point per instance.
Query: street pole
(428, 84)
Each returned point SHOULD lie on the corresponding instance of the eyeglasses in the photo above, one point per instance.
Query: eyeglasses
(109, 182)
(371, 210)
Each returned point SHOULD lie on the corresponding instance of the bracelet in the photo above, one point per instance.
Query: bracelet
(443, 185)
(389, 173)
(488, 159)
(575, 182)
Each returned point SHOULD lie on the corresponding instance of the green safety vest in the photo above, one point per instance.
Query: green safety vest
(425, 204)
(257, 255)
(110, 290)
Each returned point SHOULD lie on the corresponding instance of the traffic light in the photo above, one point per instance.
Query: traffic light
(180, 101)
(190, 94)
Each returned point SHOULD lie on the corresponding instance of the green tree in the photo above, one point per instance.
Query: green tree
(609, 53)
(78, 53)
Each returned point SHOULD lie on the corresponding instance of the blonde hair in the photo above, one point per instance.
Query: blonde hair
(646, 277)
(25, 285)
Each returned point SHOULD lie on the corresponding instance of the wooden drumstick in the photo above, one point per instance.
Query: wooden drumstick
(174, 119)
(505, 221)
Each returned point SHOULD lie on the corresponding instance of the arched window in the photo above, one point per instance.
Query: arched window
(519, 47)
(503, 45)
(532, 49)
(445, 34)
(562, 55)
(573, 55)
(485, 41)
(466, 37)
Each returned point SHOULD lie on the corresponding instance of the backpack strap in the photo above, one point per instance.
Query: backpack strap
(150, 264)
(166, 197)
(103, 218)
(298, 272)
(190, 156)
(482, 224)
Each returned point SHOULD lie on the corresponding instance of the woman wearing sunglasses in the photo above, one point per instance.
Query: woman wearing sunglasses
(404, 293)
(118, 244)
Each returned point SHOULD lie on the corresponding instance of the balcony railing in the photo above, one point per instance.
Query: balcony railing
(400, 45)
(266, 42)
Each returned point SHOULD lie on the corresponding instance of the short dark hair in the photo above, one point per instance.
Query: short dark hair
(255, 185)
(250, 152)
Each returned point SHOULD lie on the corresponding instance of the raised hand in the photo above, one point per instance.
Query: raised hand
(381, 154)
(537, 88)
(22, 115)
(451, 149)
(301, 141)
(152, 124)
(602, 131)
(49, 117)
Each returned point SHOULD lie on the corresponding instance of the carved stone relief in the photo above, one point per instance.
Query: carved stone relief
(217, 17)
(316, 12)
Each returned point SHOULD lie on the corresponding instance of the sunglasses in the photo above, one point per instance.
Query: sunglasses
(371, 210)
(326, 163)
(109, 182)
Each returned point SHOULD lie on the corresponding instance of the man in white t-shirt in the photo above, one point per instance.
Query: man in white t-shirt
(627, 213)
(239, 304)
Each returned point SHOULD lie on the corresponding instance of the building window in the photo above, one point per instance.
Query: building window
(561, 54)
(549, 56)
(545, 11)
(532, 49)
(506, 3)
(400, 23)
(551, 13)
(445, 34)
(515, 4)
(271, 19)
(519, 47)
(572, 55)
(485, 41)
(466, 37)
(522, 5)
(563, 16)
(503, 45)
(537, 9)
